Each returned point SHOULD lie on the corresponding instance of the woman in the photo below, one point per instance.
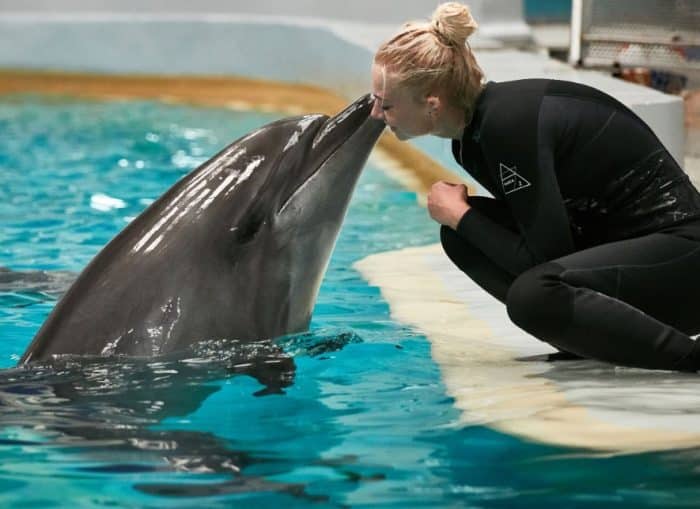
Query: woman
(592, 239)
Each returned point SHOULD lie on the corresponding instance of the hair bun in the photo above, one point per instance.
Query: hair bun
(453, 22)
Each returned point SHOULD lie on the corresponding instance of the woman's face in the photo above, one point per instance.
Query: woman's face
(406, 115)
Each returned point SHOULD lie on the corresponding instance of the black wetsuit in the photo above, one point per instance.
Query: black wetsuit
(592, 239)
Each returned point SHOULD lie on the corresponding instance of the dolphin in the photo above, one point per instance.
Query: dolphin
(236, 249)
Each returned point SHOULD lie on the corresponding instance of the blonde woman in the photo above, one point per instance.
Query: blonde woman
(592, 239)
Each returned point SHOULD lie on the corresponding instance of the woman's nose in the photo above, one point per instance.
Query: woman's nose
(377, 111)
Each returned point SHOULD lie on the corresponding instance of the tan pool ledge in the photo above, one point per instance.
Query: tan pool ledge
(414, 168)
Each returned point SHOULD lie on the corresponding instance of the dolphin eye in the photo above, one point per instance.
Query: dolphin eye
(249, 229)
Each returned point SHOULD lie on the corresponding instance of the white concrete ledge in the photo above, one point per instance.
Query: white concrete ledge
(492, 371)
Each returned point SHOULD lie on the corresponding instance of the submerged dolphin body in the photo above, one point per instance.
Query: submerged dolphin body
(236, 249)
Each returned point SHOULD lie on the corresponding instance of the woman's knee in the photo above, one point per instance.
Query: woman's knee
(456, 248)
(448, 238)
(539, 302)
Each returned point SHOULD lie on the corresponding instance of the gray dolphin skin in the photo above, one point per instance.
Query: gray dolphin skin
(236, 249)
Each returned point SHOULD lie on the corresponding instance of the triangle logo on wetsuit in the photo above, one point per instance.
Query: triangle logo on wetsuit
(511, 181)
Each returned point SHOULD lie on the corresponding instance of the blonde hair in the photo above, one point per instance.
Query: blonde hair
(435, 55)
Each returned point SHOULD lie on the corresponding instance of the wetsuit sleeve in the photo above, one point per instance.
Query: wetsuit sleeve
(520, 159)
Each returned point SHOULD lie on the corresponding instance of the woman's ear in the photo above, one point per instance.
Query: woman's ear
(433, 103)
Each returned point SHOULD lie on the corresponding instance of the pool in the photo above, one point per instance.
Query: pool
(364, 419)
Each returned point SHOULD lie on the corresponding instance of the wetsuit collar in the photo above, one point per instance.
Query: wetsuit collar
(473, 129)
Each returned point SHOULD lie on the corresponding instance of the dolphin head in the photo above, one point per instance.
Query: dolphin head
(292, 177)
(281, 211)
(236, 249)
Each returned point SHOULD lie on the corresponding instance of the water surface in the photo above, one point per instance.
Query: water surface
(353, 413)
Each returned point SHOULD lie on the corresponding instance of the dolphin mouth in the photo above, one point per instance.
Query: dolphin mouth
(356, 114)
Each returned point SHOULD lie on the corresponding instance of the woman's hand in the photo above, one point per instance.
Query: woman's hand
(447, 203)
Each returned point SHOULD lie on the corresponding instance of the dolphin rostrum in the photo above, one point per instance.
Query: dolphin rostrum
(236, 249)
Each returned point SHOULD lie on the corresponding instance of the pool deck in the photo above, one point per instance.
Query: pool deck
(498, 377)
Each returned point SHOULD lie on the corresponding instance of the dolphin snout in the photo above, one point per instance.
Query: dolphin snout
(355, 117)
(368, 106)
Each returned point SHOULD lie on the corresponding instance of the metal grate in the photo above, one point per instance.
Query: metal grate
(658, 34)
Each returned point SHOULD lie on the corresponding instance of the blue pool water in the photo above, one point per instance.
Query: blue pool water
(364, 420)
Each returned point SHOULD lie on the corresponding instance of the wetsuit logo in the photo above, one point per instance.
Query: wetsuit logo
(511, 181)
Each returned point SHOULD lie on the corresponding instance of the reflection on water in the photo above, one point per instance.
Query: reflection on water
(639, 398)
(107, 409)
(24, 288)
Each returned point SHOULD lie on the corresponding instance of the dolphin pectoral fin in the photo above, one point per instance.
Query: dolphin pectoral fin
(274, 372)
(319, 342)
